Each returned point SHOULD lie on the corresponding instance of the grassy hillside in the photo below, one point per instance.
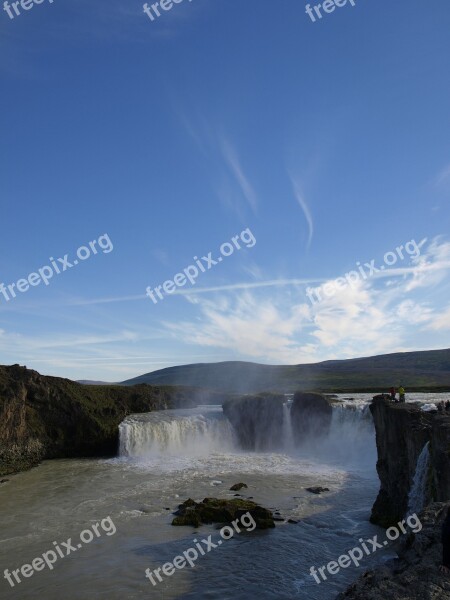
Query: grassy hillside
(417, 371)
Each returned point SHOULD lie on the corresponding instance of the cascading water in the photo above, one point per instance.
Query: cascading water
(416, 498)
(193, 432)
(287, 431)
(350, 439)
(205, 431)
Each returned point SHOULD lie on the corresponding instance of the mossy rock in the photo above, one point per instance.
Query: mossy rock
(190, 518)
(238, 486)
(214, 510)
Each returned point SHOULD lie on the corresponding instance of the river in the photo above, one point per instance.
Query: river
(167, 457)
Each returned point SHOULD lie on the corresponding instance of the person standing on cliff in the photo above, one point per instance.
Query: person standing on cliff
(401, 392)
(393, 394)
(445, 567)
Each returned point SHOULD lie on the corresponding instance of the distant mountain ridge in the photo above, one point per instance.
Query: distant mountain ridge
(427, 370)
(90, 382)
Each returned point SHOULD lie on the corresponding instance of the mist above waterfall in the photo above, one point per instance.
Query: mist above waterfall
(206, 432)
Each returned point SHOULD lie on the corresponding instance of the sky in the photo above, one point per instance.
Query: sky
(322, 148)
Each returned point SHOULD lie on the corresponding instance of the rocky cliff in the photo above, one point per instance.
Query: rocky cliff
(311, 415)
(260, 420)
(48, 417)
(402, 430)
(257, 420)
(415, 574)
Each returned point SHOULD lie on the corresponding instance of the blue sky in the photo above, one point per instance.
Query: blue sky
(329, 141)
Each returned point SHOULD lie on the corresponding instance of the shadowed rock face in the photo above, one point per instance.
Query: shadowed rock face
(310, 416)
(415, 574)
(48, 417)
(257, 420)
(402, 430)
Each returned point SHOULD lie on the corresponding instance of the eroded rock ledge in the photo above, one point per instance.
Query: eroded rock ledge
(415, 574)
(402, 430)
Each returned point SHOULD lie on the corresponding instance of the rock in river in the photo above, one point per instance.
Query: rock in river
(213, 510)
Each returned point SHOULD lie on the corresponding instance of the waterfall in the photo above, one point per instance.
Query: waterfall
(416, 498)
(350, 439)
(206, 431)
(287, 431)
(191, 432)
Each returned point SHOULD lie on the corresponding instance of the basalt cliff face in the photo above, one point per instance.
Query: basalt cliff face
(311, 415)
(260, 421)
(402, 431)
(48, 417)
(257, 420)
(415, 574)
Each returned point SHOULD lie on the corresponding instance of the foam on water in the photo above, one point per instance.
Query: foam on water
(203, 440)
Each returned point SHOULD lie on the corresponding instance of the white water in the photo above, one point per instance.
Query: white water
(192, 432)
(179, 436)
(142, 488)
(288, 434)
(416, 498)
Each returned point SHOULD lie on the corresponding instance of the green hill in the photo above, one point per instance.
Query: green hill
(417, 371)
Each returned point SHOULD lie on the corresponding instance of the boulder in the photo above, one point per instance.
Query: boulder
(213, 510)
(238, 486)
(317, 490)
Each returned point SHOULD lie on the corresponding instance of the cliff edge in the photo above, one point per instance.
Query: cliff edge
(415, 574)
(48, 417)
(402, 431)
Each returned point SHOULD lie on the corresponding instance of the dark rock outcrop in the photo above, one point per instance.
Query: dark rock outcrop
(238, 486)
(213, 510)
(402, 430)
(415, 574)
(48, 417)
(310, 415)
(317, 490)
(257, 420)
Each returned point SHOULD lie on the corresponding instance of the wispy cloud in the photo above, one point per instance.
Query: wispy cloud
(305, 208)
(366, 318)
(443, 176)
(200, 290)
(233, 162)
(441, 321)
(249, 327)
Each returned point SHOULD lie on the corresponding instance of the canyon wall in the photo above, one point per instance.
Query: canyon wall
(48, 417)
(402, 430)
(262, 421)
